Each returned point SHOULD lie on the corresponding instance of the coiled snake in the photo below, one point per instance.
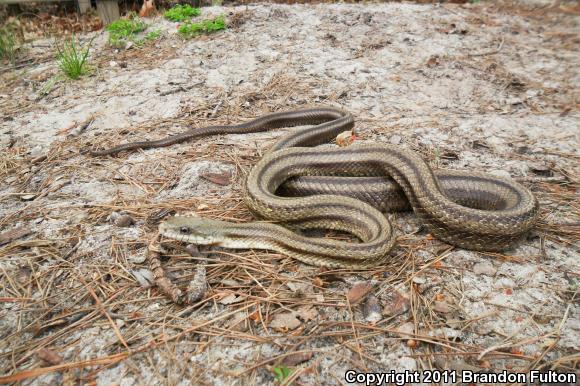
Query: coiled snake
(345, 189)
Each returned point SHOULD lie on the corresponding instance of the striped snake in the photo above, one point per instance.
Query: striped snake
(346, 189)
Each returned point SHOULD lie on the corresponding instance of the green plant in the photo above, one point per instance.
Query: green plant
(149, 37)
(181, 12)
(123, 30)
(281, 372)
(153, 35)
(8, 43)
(190, 30)
(72, 57)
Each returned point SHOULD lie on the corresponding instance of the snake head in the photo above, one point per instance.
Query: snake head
(195, 230)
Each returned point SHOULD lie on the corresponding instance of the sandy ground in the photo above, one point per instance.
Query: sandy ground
(472, 87)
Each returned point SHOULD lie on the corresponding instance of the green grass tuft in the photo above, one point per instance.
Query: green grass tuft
(72, 57)
(123, 30)
(149, 37)
(8, 43)
(181, 12)
(190, 30)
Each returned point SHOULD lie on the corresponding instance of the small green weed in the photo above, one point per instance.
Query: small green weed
(281, 372)
(181, 12)
(149, 37)
(123, 30)
(8, 43)
(72, 57)
(153, 35)
(191, 30)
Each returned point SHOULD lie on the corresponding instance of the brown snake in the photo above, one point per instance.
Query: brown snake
(345, 189)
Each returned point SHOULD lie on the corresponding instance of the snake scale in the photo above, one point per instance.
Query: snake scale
(347, 189)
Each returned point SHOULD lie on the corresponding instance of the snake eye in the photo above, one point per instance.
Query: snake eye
(184, 230)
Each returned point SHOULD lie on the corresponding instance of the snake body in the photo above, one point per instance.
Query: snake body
(345, 189)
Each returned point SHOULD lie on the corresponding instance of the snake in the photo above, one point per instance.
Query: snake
(298, 186)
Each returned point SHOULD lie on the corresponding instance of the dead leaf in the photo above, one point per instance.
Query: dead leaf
(285, 321)
(297, 358)
(406, 329)
(419, 280)
(255, 317)
(358, 292)
(396, 304)
(49, 356)
(307, 313)
(433, 61)
(318, 282)
(145, 277)
(442, 307)
(299, 287)
(222, 179)
(231, 299)
(239, 322)
(345, 138)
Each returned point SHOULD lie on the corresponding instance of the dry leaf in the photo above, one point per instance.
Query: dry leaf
(285, 321)
(231, 299)
(307, 313)
(440, 297)
(255, 317)
(358, 292)
(239, 322)
(49, 356)
(222, 179)
(396, 304)
(318, 282)
(442, 307)
(299, 287)
(295, 359)
(406, 329)
(145, 277)
(433, 61)
(345, 138)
